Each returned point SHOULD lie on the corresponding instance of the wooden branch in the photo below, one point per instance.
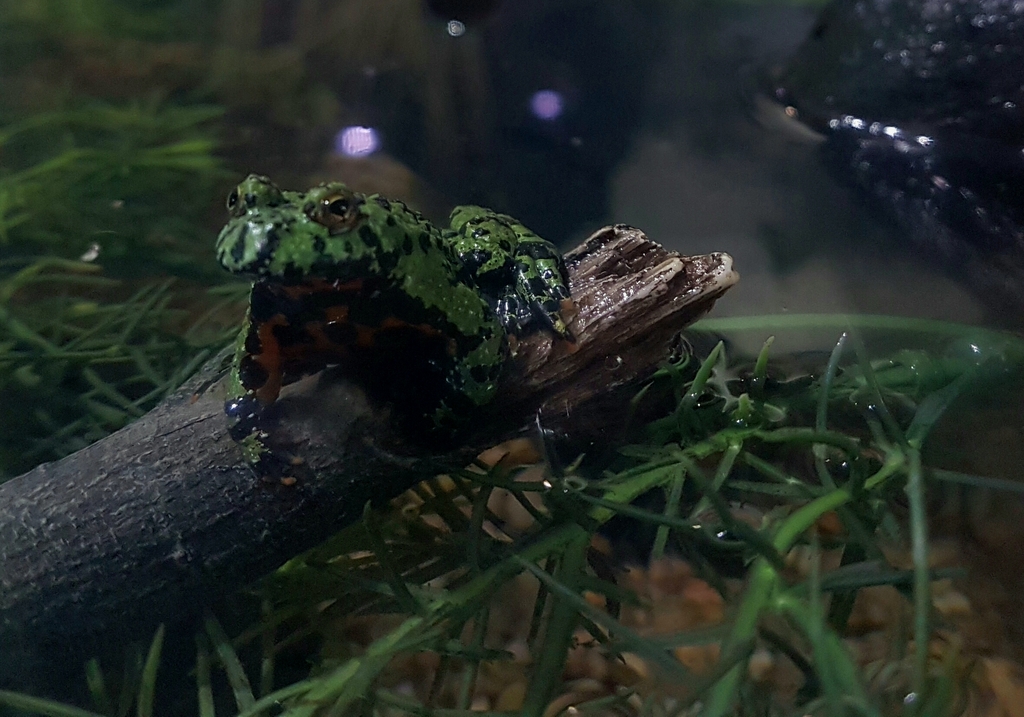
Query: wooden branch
(154, 522)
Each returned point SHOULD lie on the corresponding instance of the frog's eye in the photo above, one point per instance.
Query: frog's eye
(232, 203)
(337, 212)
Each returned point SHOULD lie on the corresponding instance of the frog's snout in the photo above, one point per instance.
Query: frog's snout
(244, 247)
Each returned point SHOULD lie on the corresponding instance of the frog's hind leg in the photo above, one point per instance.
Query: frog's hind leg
(542, 283)
(523, 276)
(541, 290)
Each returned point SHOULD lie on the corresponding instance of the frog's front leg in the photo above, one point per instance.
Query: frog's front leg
(254, 384)
(523, 274)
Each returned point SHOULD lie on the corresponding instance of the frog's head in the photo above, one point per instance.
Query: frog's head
(279, 234)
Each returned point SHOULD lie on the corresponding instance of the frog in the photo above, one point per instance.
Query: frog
(425, 316)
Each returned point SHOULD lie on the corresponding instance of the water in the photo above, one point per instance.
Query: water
(133, 120)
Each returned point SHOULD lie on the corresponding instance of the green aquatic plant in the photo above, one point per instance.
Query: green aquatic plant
(734, 434)
(130, 183)
(103, 149)
(839, 434)
(80, 363)
(85, 181)
(83, 351)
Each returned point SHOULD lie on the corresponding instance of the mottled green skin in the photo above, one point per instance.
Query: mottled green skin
(472, 285)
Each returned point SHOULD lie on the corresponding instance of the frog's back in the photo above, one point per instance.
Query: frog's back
(404, 232)
(425, 267)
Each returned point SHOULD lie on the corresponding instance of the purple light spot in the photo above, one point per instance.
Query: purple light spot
(356, 141)
(546, 104)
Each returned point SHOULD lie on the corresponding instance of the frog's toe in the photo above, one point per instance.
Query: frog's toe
(554, 309)
(515, 313)
(275, 466)
(542, 286)
(562, 330)
(244, 414)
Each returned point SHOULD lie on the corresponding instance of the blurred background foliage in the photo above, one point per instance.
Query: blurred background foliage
(105, 193)
(123, 123)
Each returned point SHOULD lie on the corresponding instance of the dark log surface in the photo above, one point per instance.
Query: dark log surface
(162, 517)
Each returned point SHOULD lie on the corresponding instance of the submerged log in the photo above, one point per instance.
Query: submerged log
(154, 522)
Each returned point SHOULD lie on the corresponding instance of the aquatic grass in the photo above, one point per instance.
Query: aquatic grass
(82, 357)
(231, 663)
(580, 507)
(128, 184)
(846, 441)
(138, 688)
(896, 326)
(131, 183)
(39, 706)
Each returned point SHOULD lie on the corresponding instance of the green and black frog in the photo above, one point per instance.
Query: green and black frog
(423, 315)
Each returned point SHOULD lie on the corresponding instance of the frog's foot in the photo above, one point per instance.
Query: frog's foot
(276, 466)
(271, 464)
(520, 316)
(542, 291)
